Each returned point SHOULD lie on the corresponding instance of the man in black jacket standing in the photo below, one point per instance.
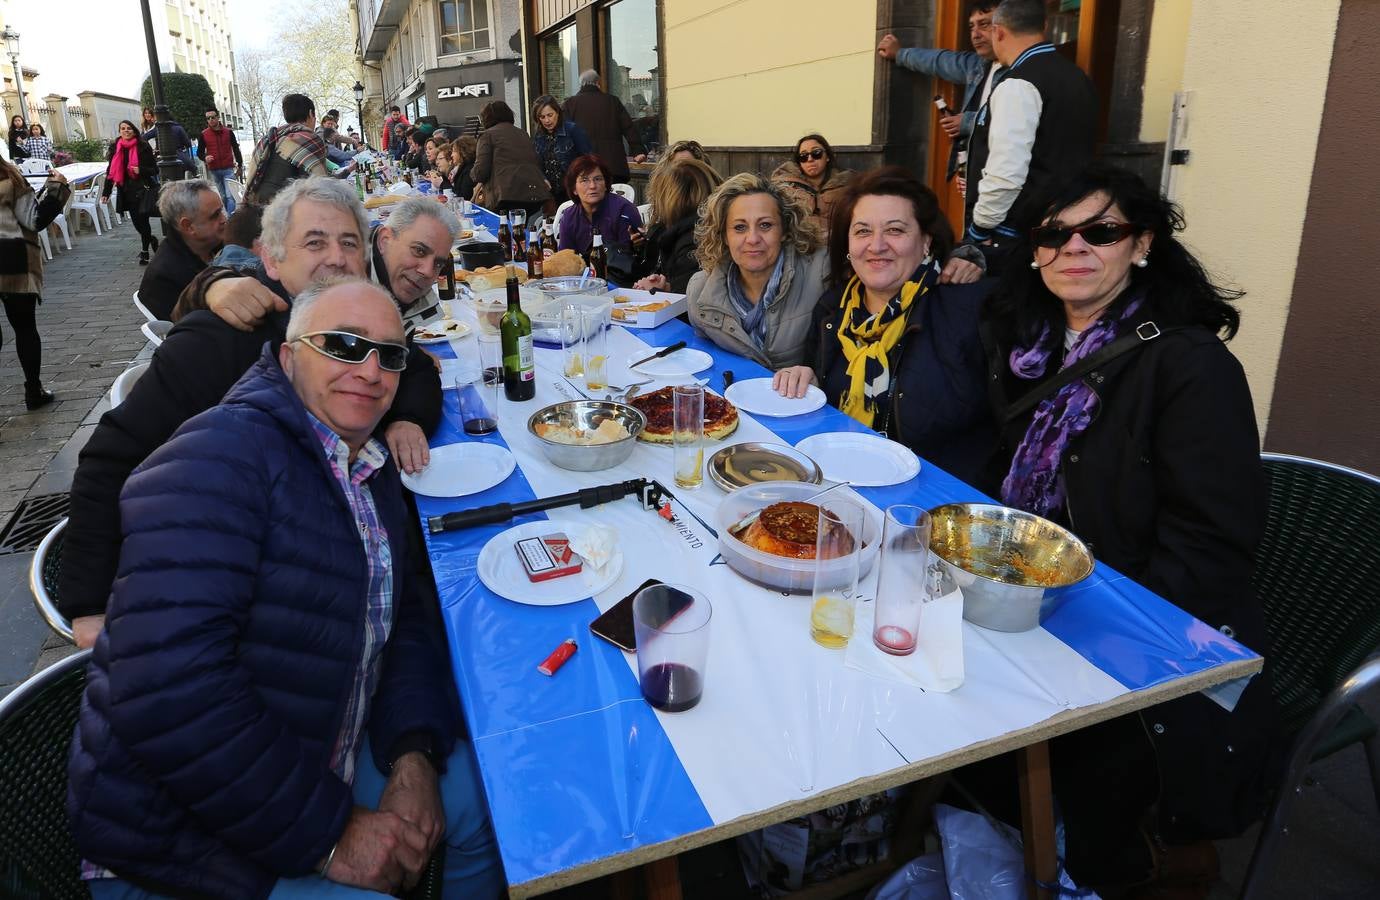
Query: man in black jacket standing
(195, 220)
(313, 230)
(606, 121)
(1037, 128)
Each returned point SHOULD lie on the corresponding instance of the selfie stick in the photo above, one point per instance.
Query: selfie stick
(584, 498)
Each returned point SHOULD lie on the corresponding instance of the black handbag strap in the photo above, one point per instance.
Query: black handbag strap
(1135, 339)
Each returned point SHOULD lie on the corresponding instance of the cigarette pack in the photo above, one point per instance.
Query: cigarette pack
(548, 556)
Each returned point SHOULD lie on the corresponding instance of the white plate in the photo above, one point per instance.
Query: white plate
(756, 395)
(862, 460)
(684, 361)
(444, 330)
(459, 469)
(501, 571)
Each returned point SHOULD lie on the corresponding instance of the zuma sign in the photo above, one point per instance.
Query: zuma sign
(481, 89)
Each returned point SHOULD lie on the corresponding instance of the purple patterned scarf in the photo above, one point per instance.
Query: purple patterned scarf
(1035, 483)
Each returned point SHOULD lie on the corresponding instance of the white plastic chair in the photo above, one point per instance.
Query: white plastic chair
(645, 211)
(155, 331)
(60, 223)
(148, 314)
(125, 383)
(560, 211)
(625, 191)
(44, 243)
(119, 217)
(32, 166)
(236, 189)
(87, 201)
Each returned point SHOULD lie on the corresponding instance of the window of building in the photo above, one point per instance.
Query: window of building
(418, 50)
(632, 62)
(464, 26)
(405, 48)
(561, 63)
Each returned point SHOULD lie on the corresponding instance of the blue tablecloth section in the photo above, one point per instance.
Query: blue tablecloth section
(586, 769)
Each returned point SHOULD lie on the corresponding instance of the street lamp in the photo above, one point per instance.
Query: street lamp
(11, 38)
(359, 111)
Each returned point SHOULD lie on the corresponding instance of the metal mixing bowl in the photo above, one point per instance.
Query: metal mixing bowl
(587, 414)
(1005, 560)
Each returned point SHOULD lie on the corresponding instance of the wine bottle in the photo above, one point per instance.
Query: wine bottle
(599, 256)
(515, 333)
(535, 259)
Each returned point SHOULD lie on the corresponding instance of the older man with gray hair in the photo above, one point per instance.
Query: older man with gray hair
(194, 225)
(604, 118)
(266, 711)
(313, 230)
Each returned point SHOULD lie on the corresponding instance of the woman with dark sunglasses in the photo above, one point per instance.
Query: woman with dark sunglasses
(810, 175)
(1126, 419)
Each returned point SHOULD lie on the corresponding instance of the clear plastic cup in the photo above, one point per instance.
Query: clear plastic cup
(479, 385)
(572, 326)
(671, 624)
(596, 348)
(838, 553)
(687, 435)
(902, 582)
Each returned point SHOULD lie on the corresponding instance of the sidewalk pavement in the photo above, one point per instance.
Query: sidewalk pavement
(90, 332)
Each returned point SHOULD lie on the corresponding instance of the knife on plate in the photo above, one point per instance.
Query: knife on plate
(678, 345)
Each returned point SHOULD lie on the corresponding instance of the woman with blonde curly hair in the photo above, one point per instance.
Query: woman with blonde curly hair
(763, 269)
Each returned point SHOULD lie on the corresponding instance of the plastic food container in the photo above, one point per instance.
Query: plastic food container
(489, 306)
(780, 572)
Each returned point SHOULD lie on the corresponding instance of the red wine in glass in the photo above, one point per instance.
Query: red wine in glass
(671, 687)
(480, 425)
(894, 640)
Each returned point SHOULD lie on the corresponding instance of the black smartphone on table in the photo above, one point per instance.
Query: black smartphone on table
(616, 625)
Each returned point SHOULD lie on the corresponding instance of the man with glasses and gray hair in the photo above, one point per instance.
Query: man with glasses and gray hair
(194, 229)
(266, 709)
(314, 230)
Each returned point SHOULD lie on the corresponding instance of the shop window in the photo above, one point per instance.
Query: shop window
(561, 63)
(633, 60)
(464, 26)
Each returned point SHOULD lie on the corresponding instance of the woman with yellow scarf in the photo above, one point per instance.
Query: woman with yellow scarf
(889, 344)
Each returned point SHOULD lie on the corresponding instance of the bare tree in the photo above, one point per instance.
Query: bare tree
(256, 72)
(317, 53)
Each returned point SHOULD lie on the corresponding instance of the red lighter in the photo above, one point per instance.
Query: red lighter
(558, 657)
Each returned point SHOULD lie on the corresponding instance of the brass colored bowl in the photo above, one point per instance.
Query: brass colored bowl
(1005, 560)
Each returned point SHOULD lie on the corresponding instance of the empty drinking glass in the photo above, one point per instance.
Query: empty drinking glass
(687, 435)
(901, 579)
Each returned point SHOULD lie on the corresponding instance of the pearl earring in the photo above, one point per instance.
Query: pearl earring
(1143, 262)
(1034, 264)
(848, 256)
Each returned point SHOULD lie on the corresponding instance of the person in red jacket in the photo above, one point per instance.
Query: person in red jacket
(221, 152)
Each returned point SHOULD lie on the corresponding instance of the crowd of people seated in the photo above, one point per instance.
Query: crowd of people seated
(1064, 352)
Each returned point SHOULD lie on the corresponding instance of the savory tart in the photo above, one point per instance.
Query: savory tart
(720, 416)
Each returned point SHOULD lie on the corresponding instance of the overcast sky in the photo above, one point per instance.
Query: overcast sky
(98, 45)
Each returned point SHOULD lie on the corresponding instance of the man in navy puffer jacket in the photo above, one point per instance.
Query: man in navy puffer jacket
(266, 701)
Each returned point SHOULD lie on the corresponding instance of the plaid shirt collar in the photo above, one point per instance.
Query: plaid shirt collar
(369, 460)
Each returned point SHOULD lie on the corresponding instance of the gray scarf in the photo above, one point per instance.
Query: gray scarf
(753, 316)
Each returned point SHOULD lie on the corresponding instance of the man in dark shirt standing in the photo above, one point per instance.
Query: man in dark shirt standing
(606, 121)
(1037, 128)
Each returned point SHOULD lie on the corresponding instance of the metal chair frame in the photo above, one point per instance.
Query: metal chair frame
(47, 562)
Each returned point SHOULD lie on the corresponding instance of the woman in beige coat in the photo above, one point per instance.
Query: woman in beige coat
(763, 268)
(22, 215)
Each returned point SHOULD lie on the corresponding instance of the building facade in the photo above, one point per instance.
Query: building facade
(1260, 140)
(441, 58)
(199, 42)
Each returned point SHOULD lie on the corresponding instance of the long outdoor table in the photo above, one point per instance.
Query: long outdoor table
(583, 778)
